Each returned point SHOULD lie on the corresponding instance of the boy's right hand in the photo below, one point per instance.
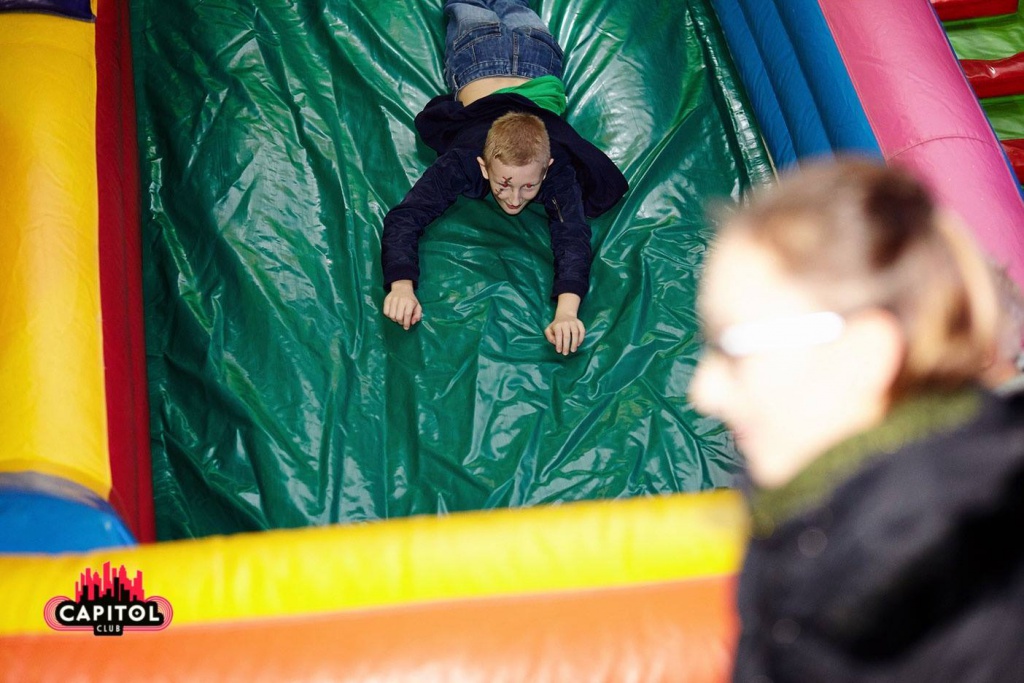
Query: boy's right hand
(401, 304)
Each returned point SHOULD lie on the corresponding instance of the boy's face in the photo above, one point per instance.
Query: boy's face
(514, 187)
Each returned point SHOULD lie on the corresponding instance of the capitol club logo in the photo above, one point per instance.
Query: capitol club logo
(108, 605)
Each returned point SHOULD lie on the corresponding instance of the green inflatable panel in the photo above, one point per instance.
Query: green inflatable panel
(988, 38)
(275, 135)
(1006, 115)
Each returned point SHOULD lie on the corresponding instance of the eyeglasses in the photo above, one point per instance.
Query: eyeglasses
(778, 334)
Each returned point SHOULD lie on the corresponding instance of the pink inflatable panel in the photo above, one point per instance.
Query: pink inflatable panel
(926, 117)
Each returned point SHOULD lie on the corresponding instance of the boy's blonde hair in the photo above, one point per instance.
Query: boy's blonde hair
(517, 139)
(859, 235)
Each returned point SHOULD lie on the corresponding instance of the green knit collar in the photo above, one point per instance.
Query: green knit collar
(911, 420)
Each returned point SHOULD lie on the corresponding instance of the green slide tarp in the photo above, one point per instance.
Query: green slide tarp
(275, 135)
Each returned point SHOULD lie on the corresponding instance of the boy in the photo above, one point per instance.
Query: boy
(500, 132)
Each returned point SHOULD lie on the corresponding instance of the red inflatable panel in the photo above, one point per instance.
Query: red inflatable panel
(952, 10)
(677, 631)
(1015, 150)
(120, 241)
(995, 77)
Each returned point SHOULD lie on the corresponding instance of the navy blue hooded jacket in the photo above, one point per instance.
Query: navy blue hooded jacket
(582, 182)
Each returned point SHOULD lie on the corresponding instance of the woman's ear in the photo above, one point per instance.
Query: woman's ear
(877, 349)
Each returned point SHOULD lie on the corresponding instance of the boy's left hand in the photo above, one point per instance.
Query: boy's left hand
(566, 331)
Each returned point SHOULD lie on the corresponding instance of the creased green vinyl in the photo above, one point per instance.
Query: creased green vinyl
(275, 135)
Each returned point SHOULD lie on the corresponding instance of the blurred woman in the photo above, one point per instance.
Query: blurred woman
(847, 321)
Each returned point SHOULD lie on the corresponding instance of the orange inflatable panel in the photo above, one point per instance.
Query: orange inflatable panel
(674, 631)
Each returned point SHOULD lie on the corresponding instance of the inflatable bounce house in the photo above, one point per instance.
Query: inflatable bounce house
(219, 454)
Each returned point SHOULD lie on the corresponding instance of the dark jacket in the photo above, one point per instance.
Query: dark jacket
(583, 182)
(897, 556)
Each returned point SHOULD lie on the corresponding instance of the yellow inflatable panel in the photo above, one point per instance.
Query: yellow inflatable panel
(51, 347)
(329, 569)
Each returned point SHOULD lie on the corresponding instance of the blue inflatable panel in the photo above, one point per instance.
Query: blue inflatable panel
(835, 98)
(44, 514)
(788, 79)
(73, 9)
(750, 64)
(796, 79)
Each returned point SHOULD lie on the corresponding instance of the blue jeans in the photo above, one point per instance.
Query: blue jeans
(496, 38)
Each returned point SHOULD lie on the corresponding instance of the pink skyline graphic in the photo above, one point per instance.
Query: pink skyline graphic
(113, 586)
